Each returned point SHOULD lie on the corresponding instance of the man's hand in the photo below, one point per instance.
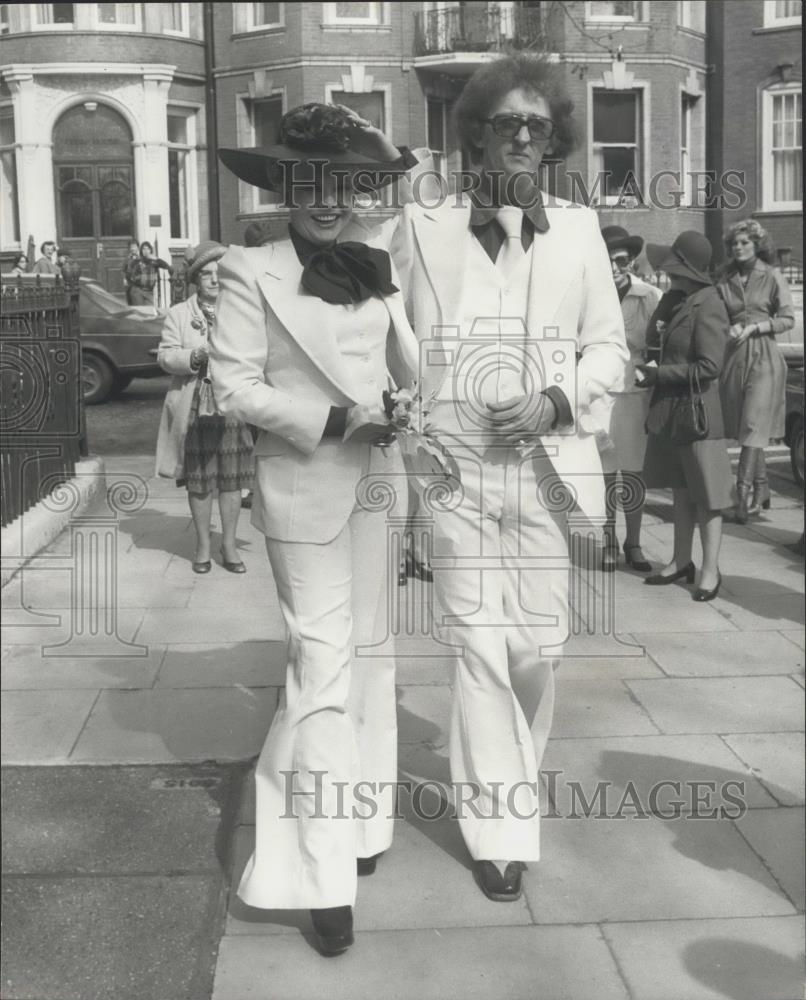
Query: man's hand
(646, 375)
(522, 418)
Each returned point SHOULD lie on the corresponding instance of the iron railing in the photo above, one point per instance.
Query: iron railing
(479, 28)
(41, 405)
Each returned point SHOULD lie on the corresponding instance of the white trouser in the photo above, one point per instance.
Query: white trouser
(335, 728)
(502, 616)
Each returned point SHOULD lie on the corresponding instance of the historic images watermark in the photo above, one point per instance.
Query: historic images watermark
(320, 797)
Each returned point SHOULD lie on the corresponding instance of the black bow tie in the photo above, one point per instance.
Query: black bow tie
(348, 272)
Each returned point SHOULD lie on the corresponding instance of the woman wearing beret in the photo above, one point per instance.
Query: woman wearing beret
(691, 353)
(203, 451)
(753, 383)
(311, 331)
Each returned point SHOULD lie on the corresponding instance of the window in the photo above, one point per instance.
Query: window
(9, 209)
(175, 20)
(691, 15)
(354, 13)
(686, 109)
(53, 15)
(614, 10)
(782, 126)
(4, 25)
(118, 16)
(781, 13)
(369, 105)
(437, 132)
(616, 142)
(258, 125)
(180, 152)
(263, 15)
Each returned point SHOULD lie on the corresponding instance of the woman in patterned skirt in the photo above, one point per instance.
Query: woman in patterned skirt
(198, 447)
(753, 381)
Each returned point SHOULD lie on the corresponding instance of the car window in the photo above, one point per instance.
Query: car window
(97, 300)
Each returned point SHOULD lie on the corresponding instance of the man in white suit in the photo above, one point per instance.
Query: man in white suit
(503, 290)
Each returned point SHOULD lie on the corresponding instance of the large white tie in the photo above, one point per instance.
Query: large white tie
(511, 252)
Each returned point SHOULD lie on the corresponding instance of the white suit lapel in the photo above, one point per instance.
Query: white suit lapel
(549, 277)
(444, 241)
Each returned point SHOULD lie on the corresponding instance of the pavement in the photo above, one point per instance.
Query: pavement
(136, 696)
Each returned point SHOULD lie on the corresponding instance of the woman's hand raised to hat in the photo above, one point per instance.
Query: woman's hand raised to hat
(368, 140)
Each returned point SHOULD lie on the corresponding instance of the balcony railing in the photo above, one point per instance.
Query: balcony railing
(478, 28)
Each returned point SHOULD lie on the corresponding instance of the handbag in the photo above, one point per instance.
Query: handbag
(688, 418)
(206, 406)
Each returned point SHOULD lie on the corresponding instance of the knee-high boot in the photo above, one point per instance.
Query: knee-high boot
(761, 487)
(744, 480)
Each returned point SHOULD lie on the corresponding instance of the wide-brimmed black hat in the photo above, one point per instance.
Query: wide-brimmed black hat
(617, 238)
(689, 257)
(312, 133)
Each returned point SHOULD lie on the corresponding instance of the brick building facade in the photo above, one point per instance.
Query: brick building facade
(106, 108)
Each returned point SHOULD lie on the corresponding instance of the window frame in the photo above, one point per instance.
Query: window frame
(685, 9)
(190, 112)
(771, 20)
(641, 93)
(37, 25)
(99, 25)
(642, 17)
(249, 24)
(441, 168)
(184, 31)
(767, 171)
(7, 111)
(248, 195)
(5, 24)
(375, 20)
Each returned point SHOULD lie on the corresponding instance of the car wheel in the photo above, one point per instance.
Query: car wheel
(97, 379)
(122, 382)
(796, 451)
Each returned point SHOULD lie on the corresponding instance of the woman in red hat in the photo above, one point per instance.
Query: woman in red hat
(311, 329)
(692, 350)
(198, 447)
(753, 383)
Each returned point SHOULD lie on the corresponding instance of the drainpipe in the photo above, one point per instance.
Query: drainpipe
(211, 118)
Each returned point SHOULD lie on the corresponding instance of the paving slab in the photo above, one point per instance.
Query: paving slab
(251, 664)
(744, 959)
(783, 611)
(722, 654)
(25, 668)
(226, 622)
(777, 835)
(798, 637)
(596, 707)
(651, 762)
(167, 725)
(564, 963)
(606, 667)
(656, 614)
(721, 704)
(42, 726)
(52, 629)
(647, 869)
(776, 759)
(135, 589)
(423, 714)
(220, 589)
(126, 937)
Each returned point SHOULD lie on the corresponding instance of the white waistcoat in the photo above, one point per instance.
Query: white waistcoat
(361, 331)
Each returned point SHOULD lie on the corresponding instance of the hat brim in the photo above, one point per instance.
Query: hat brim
(632, 244)
(664, 258)
(253, 165)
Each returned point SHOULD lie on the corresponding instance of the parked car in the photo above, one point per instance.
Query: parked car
(118, 342)
(794, 421)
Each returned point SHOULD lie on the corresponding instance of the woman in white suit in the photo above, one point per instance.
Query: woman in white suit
(311, 331)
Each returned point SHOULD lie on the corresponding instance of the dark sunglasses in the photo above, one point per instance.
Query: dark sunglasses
(508, 126)
(620, 260)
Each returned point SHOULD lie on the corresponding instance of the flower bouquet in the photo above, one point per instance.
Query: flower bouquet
(426, 459)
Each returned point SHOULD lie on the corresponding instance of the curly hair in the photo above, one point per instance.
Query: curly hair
(490, 84)
(765, 250)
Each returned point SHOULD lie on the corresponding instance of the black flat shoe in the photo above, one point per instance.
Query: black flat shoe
(333, 928)
(660, 581)
(202, 567)
(367, 866)
(232, 567)
(708, 595)
(640, 564)
(504, 888)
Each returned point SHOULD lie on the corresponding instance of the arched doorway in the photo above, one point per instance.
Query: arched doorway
(93, 170)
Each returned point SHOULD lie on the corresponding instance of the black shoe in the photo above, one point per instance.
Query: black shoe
(202, 567)
(640, 564)
(609, 558)
(246, 502)
(333, 928)
(660, 581)
(708, 595)
(367, 866)
(232, 567)
(417, 569)
(504, 888)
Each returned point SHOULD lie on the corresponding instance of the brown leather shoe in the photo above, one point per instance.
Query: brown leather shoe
(333, 927)
(504, 888)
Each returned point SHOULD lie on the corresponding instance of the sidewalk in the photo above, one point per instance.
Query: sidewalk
(639, 908)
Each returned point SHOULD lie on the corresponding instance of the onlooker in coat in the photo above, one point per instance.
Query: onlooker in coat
(20, 265)
(623, 410)
(47, 262)
(753, 382)
(692, 350)
(131, 260)
(143, 275)
(205, 452)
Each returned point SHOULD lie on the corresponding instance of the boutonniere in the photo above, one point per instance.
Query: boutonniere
(197, 324)
(425, 458)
